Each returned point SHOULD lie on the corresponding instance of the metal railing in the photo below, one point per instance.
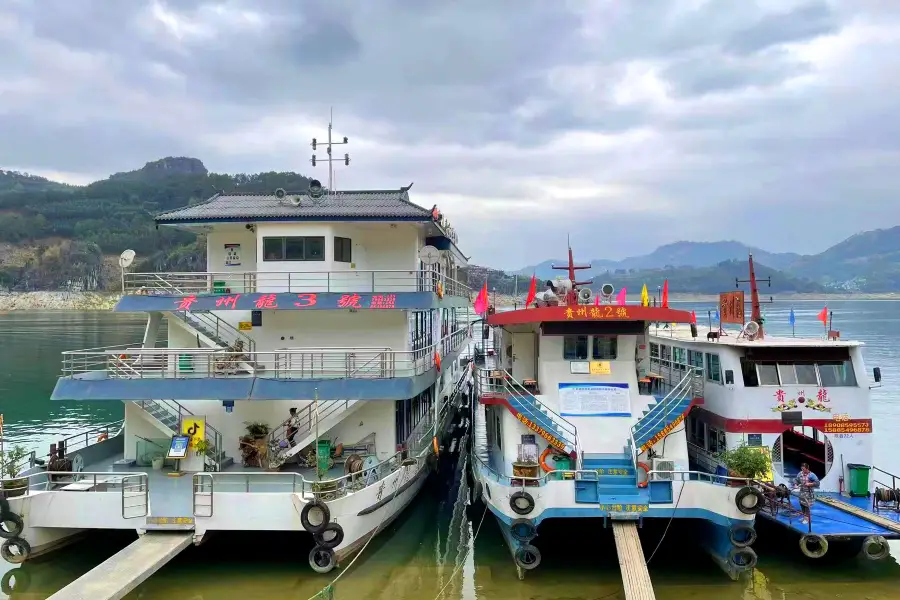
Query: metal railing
(245, 282)
(76, 442)
(307, 417)
(663, 411)
(214, 452)
(217, 327)
(132, 486)
(674, 374)
(310, 363)
(701, 476)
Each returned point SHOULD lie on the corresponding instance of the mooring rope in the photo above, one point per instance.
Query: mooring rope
(462, 562)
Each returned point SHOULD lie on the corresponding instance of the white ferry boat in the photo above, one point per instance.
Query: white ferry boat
(299, 384)
(567, 427)
(797, 400)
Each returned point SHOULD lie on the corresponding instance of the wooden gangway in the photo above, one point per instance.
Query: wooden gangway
(861, 513)
(128, 568)
(635, 576)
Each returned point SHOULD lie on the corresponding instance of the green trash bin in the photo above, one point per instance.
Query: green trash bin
(858, 485)
(324, 456)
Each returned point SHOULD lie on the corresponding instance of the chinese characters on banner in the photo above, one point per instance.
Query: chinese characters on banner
(731, 307)
(286, 301)
(597, 312)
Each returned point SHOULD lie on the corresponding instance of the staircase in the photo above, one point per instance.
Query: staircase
(610, 479)
(534, 414)
(662, 417)
(330, 413)
(169, 413)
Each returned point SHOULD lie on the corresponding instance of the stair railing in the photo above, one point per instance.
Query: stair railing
(306, 418)
(215, 453)
(661, 412)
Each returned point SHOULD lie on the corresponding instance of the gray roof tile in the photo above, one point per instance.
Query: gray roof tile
(374, 204)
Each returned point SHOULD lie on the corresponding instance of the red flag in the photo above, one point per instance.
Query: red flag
(597, 300)
(665, 294)
(532, 292)
(693, 317)
(481, 302)
(823, 316)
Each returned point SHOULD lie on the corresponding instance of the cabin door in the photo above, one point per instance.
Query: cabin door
(524, 356)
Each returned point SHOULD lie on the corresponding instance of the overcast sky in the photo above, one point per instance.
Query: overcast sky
(627, 124)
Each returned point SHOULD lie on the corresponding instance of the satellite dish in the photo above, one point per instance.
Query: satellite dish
(429, 255)
(126, 258)
(280, 193)
(315, 189)
(295, 200)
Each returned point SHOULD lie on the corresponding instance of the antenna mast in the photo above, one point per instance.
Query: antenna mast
(755, 311)
(330, 160)
(571, 268)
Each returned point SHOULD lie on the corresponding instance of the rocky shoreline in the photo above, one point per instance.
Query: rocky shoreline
(58, 301)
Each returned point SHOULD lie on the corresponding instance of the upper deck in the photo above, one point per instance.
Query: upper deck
(732, 337)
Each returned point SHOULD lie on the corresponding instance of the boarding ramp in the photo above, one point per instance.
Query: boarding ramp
(127, 569)
(635, 576)
(863, 514)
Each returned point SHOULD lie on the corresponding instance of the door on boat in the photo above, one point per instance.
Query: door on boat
(524, 356)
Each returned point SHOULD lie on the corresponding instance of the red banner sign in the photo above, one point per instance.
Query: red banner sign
(731, 307)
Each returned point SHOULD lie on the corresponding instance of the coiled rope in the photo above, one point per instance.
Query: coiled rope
(887, 495)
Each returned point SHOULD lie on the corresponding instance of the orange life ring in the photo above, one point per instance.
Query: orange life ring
(543, 460)
(440, 290)
(102, 437)
(437, 361)
(646, 469)
(434, 444)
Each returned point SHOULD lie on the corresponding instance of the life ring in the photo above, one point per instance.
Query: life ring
(434, 445)
(102, 437)
(15, 581)
(331, 536)
(813, 545)
(527, 557)
(440, 290)
(742, 535)
(749, 500)
(543, 459)
(437, 361)
(742, 559)
(315, 516)
(875, 547)
(21, 554)
(521, 502)
(523, 530)
(322, 560)
(646, 470)
(11, 526)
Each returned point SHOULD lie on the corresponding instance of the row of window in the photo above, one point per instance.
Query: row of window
(421, 332)
(821, 374)
(305, 248)
(410, 412)
(597, 347)
(679, 359)
(706, 436)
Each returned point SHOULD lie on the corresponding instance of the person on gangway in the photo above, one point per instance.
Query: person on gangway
(807, 482)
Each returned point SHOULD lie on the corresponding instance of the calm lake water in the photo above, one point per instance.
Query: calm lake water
(430, 547)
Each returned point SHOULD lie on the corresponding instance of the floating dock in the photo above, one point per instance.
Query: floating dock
(128, 568)
(635, 576)
(863, 512)
(836, 516)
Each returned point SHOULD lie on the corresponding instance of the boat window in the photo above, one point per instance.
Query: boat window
(722, 443)
(837, 374)
(575, 347)
(665, 352)
(768, 373)
(806, 374)
(654, 350)
(679, 355)
(294, 248)
(713, 368)
(712, 439)
(343, 249)
(421, 332)
(695, 359)
(748, 370)
(693, 426)
(786, 374)
(604, 348)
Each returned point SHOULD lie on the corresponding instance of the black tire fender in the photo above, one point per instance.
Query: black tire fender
(875, 547)
(11, 526)
(521, 502)
(522, 530)
(749, 500)
(330, 537)
(321, 516)
(322, 560)
(15, 581)
(527, 557)
(742, 535)
(23, 551)
(742, 559)
(813, 545)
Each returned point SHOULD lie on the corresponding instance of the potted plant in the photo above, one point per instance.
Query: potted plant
(745, 462)
(257, 430)
(201, 447)
(10, 461)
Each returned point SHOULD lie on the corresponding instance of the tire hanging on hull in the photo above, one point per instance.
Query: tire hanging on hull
(742, 535)
(315, 516)
(875, 547)
(527, 557)
(322, 560)
(813, 545)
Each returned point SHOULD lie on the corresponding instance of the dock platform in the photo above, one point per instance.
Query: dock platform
(128, 568)
(837, 516)
(635, 576)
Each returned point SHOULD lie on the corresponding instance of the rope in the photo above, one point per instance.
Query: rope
(328, 590)
(669, 524)
(462, 562)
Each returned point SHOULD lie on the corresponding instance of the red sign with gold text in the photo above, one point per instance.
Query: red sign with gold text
(731, 307)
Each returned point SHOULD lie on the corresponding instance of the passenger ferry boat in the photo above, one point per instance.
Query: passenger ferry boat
(302, 384)
(799, 401)
(567, 427)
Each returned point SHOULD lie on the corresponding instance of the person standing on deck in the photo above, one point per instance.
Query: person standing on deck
(293, 426)
(807, 481)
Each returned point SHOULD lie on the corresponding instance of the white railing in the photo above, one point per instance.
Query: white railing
(296, 363)
(72, 443)
(133, 486)
(358, 281)
(663, 411)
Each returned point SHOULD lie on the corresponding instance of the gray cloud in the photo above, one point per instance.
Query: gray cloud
(697, 119)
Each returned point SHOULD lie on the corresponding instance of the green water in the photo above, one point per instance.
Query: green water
(430, 547)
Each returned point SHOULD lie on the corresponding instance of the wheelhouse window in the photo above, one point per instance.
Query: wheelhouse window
(713, 368)
(309, 248)
(767, 373)
(695, 359)
(343, 249)
(837, 374)
(575, 347)
(603, 348)
(654, 350)
(821, 374)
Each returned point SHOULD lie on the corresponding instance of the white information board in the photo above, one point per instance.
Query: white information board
(594, 400)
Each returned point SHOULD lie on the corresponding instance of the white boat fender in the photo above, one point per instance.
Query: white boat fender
(315, 516)
(331, 536)
(742, 535)
(11, 526)
(527, 557)
(749, 500)
(21, 554)
(813, 545)
(521, 502)
(875, 547)
(742, 559)
(15, 581)
(322, 560)
(523, 530)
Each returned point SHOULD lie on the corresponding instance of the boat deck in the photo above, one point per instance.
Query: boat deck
(831, 521)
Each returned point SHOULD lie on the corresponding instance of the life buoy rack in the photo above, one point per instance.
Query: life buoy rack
(875, 547)
(813, 545)
(742, 535)
(646, 469)
(749, 500)
(521, 502)
(315, 517)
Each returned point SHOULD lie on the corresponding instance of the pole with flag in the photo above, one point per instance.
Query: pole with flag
(621, 297)
(532, 291)
(645, 297)
(481, 301)
(793, 321)
(823, 316)
(665, 294)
